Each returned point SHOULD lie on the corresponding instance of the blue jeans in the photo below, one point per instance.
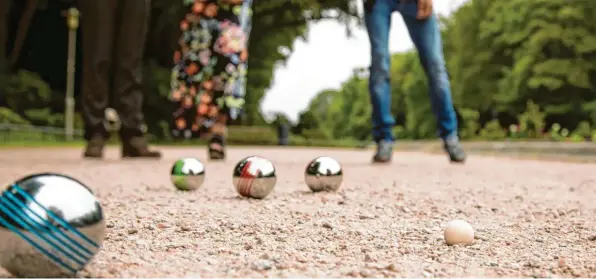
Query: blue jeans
(426, 36)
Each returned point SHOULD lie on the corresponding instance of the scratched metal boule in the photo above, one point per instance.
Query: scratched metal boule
(323, 174)
(51, 225)
(188, 174)
(254, 177)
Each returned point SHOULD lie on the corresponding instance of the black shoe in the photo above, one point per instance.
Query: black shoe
(95, 145)
(217, 148)
(137, 147)
(454, 149)
(384, 152)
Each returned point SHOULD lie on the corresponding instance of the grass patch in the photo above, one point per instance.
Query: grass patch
(40, 144)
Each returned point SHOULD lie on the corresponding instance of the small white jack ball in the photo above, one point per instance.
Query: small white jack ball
(459, 232)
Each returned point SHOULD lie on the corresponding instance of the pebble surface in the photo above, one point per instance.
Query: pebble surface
(531, 218)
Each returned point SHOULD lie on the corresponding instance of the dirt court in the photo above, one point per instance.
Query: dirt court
(532, 218)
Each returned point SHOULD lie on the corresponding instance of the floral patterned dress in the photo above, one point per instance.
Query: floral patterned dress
(209, 75)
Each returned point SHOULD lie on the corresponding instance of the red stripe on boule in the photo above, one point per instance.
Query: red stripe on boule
(245, 182)
(251, 181)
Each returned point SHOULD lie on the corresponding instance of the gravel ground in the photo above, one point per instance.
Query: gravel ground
(532, 218)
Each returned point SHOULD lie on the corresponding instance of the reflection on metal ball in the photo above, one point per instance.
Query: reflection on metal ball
(51, 225)
(188, 174)
(323, 174)
(254, 177)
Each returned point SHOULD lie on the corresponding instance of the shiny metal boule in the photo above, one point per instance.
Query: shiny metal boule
(188, 174)
(254, 177)
(51, 225)
(323, 174)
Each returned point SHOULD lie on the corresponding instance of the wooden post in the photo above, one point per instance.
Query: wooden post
(72, 21)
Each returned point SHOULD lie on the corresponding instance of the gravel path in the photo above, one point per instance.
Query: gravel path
(532, 218)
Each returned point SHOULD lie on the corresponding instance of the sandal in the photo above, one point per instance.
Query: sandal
(217, 148)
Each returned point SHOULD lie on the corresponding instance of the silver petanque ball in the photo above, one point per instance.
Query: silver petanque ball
(323, 174)
(188, 174)
(51, 225)
(254, 177)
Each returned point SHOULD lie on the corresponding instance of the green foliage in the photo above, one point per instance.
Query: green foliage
(519, 50)
(349, 105)
(576, 138)
(257, 135)
(470, 123)
(564, 132)
(280, 119)
(43, 116)
(583, 130)
(7, 116)
(531, 121)
(314, 134)
(400, 132)
(493, 131)
(24, 90)
(30, 100)
(300, 141)
(589, 108)
(514, 131)
(555, 132)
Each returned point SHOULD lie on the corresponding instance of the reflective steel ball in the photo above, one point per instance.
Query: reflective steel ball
(188, 174)
(254, 177)
(323, 174)
(51, 225)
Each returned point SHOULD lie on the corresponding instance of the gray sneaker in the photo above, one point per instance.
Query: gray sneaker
(454, 149)
(384, 152)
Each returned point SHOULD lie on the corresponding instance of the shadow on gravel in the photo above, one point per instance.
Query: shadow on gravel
(302, 193)
(234, 198)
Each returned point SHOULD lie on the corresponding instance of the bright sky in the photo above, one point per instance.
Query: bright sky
(327, 59)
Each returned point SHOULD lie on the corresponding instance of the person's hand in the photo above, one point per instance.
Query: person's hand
(425, 9)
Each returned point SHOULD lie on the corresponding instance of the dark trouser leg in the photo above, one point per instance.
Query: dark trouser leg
(128, 56)
(128, 96)
(97, 23)
(4, 23)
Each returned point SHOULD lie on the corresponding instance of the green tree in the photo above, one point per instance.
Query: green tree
(532, 120)
(504, 53)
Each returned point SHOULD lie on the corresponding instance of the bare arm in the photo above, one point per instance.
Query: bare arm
(425, 9)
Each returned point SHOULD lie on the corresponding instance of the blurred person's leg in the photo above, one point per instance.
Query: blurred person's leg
(283, 134)
(209, 77)
(426, 35)
(97, 28)
(133, 23)
(5, 6)
(378, 24)
(231, 48)
(217, 142)
(183, 87)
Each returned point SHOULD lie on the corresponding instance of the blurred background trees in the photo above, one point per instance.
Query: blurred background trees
(518, 68)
